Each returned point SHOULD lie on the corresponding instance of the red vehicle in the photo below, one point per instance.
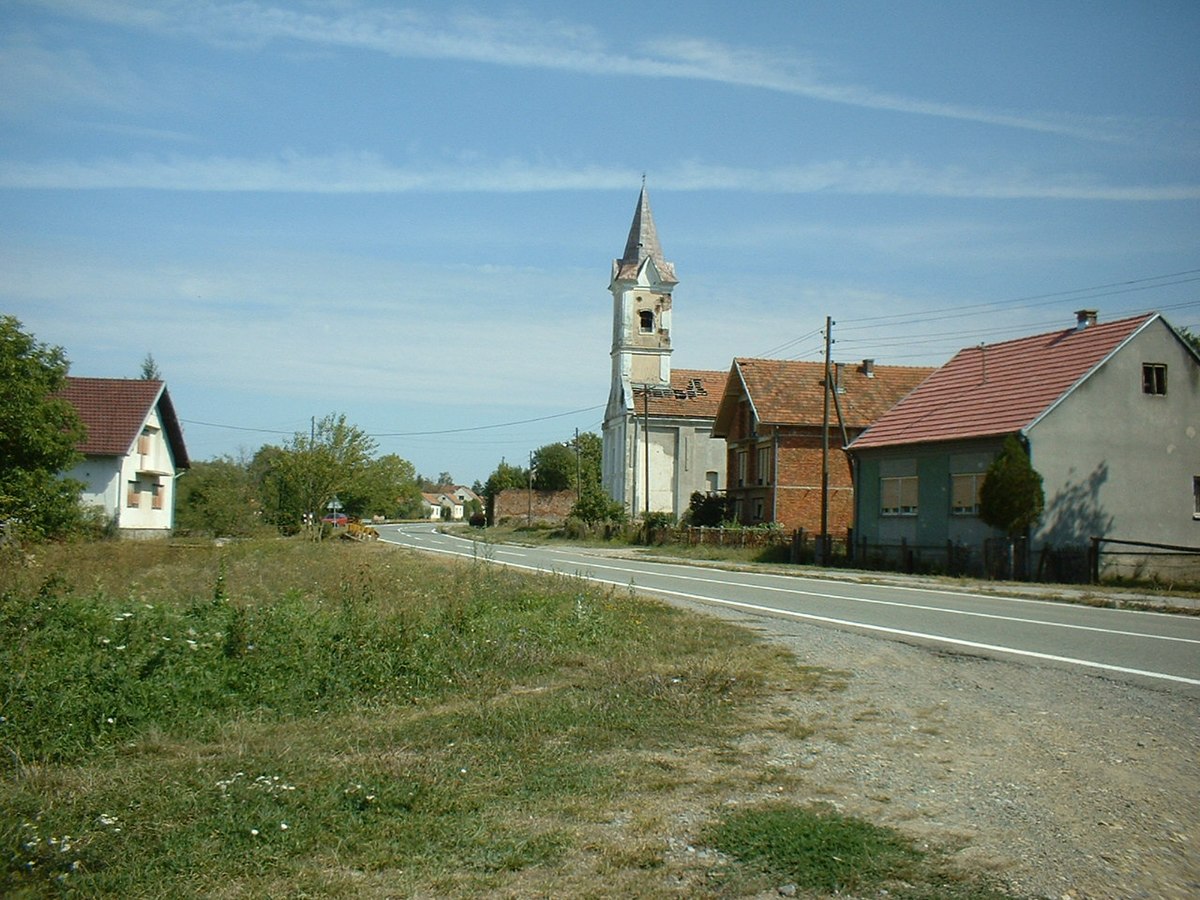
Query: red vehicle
(337, 520)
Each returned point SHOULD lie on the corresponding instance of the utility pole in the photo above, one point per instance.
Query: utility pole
(824, 552)
(578, 470)
(646, 438)
(529, 520)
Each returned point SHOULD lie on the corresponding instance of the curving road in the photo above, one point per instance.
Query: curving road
(1153, 649)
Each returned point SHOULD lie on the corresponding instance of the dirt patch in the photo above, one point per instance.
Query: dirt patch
(1063, 784)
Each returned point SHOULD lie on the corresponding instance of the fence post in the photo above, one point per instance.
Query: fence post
(1094, 560)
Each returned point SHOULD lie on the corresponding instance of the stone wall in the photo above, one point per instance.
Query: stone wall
(514, 507)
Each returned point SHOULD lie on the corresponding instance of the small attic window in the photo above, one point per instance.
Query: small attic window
(646, 321)
(1154, 379)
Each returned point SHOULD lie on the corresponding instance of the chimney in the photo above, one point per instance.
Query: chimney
(868, 368)
(1085, 318)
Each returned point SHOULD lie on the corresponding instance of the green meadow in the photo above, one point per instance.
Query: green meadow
(286, 718)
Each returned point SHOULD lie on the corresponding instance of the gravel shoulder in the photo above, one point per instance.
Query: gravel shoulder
(1061, 783)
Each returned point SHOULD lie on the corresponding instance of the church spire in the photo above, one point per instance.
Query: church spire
(642, 243)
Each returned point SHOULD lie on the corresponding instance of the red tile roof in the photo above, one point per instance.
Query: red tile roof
(787, 392)
(114, 411)
(999, 389)
(693, 394)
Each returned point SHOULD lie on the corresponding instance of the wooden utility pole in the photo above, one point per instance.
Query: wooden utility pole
(824, 554)
(646, 438)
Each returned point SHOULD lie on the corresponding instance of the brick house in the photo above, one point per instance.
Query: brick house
(772, 416)
(133, 452)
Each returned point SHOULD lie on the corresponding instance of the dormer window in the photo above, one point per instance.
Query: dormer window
(646, 321)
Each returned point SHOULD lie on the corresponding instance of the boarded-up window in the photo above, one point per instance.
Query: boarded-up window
(156, 495)
(133, 497)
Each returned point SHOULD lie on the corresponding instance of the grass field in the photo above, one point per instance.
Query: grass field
(283, 718)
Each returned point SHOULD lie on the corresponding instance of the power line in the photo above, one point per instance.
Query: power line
(394, 434)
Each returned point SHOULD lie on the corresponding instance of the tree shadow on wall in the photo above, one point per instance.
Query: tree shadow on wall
(1075, 515)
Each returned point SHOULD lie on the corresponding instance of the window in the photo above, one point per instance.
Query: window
(713, 481)
(156, 495)
(144, 442)
(1154, 379)
(763, 472)
(1196, 495)
(133, 497)
(646, 320)
(741, 467)
(964, 494)
(898, 496)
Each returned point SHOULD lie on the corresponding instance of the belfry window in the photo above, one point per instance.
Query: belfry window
(646, 321)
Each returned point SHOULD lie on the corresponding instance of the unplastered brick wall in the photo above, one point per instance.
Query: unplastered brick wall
(518, 505)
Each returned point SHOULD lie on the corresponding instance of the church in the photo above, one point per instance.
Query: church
(658, 444)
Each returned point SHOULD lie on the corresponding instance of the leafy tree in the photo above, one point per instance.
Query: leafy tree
(554, 468)
(218, 497)
(304, 477)
(39, 434)
(594, 506)
(708, 509)
(445, 479)
(1011, 497)
(591, 449)
(150, 371)
(504, 477)
(1191, 337)
(386, 487)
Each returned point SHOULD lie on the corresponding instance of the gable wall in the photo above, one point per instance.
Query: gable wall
(1118, 462)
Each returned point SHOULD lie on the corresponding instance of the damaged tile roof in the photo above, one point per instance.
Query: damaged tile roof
(789, 392)
(114, 411)
(693, 394)
(997, 389)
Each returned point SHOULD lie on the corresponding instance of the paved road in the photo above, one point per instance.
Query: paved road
(1143, 647)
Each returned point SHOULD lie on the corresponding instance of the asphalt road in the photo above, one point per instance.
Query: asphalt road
(1153, 649)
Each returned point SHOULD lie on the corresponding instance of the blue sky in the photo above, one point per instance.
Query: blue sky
(407, 212)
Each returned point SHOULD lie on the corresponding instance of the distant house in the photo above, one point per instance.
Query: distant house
(446, 504)
(772, 416)
(1110, 416)
(133, 453)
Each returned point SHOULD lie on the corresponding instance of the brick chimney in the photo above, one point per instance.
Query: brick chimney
(868, 368)
(1085, 318)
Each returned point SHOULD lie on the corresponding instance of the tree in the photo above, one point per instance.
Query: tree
(708, 509)
(305, 476)
(1011, 497)
(385, 487)
(595, 506)
(554, 468)
(1191, 337)
(504, 477)
(39, 435)
(150, 370)
(218, 498)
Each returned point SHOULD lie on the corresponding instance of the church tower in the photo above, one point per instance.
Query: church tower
(658, 445)
(641, 285)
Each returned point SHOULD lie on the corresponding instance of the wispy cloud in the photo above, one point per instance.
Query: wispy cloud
(36, 77)
(366, 173)
(526, 42)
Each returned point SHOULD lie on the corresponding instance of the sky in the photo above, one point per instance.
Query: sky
(407, 213)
